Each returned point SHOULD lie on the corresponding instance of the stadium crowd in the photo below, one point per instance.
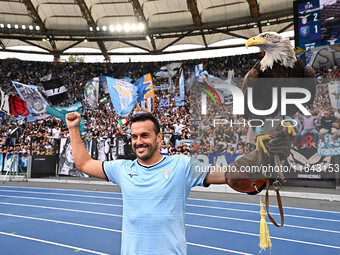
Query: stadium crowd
(177, 123)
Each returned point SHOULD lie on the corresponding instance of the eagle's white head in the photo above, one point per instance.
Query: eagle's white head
(277, 48)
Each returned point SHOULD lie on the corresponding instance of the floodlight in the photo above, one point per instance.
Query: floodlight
(112, 28)
(134, 27)
(141, 27)
(127, 27)
(119, 28)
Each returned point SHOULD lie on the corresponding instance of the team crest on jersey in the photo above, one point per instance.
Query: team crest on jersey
(166, 173)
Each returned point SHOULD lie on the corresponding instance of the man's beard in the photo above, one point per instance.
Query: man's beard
(152, 151)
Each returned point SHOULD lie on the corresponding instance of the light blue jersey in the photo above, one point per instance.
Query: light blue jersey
(154, 200)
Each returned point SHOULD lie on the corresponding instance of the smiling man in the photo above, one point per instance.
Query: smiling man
(154, 187)
(146, 138)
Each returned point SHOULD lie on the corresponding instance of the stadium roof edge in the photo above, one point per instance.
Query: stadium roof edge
(112, 25)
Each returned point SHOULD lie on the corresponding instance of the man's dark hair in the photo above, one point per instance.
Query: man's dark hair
(144, 117)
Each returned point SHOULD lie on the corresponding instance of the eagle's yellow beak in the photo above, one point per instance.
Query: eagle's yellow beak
(255, 41)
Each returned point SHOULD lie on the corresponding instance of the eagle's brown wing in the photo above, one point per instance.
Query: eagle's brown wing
(309, 73)
(247, 81)
(279, 76)
(262, 91)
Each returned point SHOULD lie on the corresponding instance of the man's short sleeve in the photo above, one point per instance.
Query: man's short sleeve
(197, 173)
(112, 169)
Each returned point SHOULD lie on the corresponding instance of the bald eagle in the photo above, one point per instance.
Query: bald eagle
(280, 64)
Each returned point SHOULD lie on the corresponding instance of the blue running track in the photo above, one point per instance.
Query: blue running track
(58, 221)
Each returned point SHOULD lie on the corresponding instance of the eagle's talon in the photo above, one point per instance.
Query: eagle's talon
(290, 129)
(260, 143)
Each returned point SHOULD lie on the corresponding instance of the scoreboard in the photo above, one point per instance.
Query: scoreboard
(317, 23)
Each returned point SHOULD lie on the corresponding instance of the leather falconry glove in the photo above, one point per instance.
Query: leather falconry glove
(248, 174)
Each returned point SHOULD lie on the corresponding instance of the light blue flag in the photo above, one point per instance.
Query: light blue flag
(169, 70)
(231, 77)
(181, 85)
(127, 79)
(123, 95)
(334, 95)
(198, 72)
(10, 163)
(180, 100)
(35, 102)
(1, 160)
(60, 112)
(146, 94)
(329, 149)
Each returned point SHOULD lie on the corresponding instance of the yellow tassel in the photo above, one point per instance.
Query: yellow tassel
(264, 231)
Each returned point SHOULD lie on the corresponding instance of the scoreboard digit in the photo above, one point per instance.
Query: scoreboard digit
(317, 23)
(308, 23)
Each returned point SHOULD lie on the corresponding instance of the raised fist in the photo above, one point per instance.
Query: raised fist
(73, 119)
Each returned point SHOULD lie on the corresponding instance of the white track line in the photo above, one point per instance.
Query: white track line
(188, 225)
(62, 209)
(195, 214)
(62, 200)
(188, 213)
(188, 205)
(272, 237)
(53, 243)
(112, 230)
(61, 194)
(257, 222)
(250, 211)
(195, 226)
(244, 203)
(199, 199)
(219, 249)
(60, 222)
(80, 190)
